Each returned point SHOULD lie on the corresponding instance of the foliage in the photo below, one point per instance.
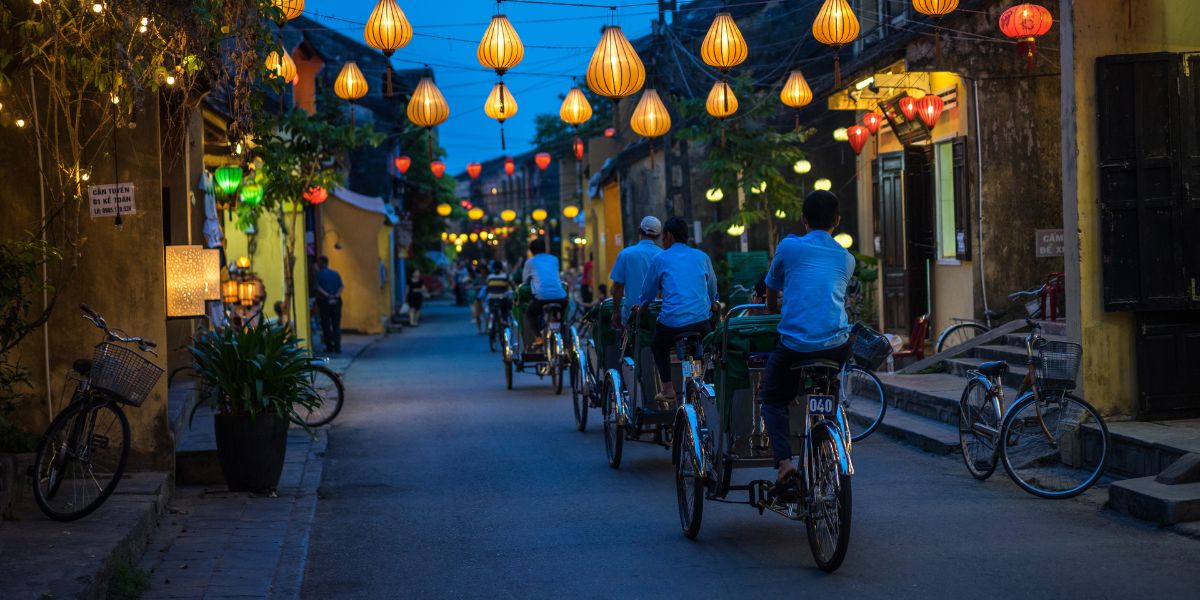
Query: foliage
(555, 136)
(860, 299)
(13, 439)
(252, 371)
(21, 313)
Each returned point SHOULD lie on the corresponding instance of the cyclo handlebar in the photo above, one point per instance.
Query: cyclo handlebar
(116, 335)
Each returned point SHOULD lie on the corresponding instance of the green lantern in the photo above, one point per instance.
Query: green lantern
(252, 193)
(228, 179)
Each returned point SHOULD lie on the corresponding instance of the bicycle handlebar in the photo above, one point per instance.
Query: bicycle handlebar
(1037, 291)
(116, 335)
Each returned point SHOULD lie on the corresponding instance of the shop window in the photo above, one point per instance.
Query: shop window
(950, 195)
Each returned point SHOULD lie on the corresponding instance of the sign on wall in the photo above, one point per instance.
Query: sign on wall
(108, 200)
(1049, 242)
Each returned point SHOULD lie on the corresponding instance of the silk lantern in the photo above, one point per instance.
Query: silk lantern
(228, 178)
(578, 148)
(350, 85)
(871, 121)
(721, 103)
(444, 209)
(615, 70)
(650, 119)
(509, 166)
(858, 136)
(475, 213)
(908, 106)
(935, 9)
(1026, 22)
(723, 46)
(280, 63)
(836, 26)
(929, 109)
(291, 8)
(387, 30)
(428, 108)
(542, 159)
(500, 105)
(539, 214)
(316, 195)
(501, 48)
(474, 169)
(438, 168)
(570, 211)
(403, 162)
(508, 215)
(796, 93)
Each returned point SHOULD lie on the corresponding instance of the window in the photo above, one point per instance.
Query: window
(950, 199)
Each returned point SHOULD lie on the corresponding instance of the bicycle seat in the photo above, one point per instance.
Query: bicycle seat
(688, 344)
(758, 360)
(817, 363)
(994, 368)
(83, 366)
(690, 336)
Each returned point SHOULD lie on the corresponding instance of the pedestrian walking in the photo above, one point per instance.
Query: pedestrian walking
(416, 297)
(329, 305)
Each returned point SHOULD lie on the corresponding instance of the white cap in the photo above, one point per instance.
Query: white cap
(651, 226)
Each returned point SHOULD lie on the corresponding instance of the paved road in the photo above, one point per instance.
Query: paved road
(439, 483)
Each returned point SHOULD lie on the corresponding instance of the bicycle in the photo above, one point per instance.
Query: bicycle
(328, 385)
(860, 390)
(497, 311)
(964, 329)
(1052, 443)
(82, 455)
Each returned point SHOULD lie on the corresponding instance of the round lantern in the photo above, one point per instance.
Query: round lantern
(500, 105)
(759, 188)
(444, 209)
(228, 178)
(350, 85)
(445, 236)
(871, 121)
(723, 46)
(428, 108)
(474, 237)
(721, 103)
(542, 159)
(839, 135)
(1026, 22)
(714, 195)
(508, 215)
(252, 193)
(908, 106)
(835, 26)
(577, 147)
(539, 214)
(438, 168)
(501, 48)
(475, 213)
(857, 136)
(291, 8)
(510, 167)
(280, 63)
(570, 211)
(650, 117)
(316, 195)
(802, 167)
(402, 162)
(615, 70)
(796, 93)
(780, 214)
(929, 109)
(823, 184)
(387, 30)
(576, 109)
(474, 169)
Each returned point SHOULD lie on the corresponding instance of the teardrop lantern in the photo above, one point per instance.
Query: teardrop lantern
(577, 147)
(1026, 22)
(403, 162)
(872, 120)
(929, 109)
(438, 168)
(615, 70)
(501, 48)
(350, 85)
(387, 30)
(510, 167)
(650, 119)
(908, 106)
(723, 47)
(474, 169)
(428, 108)
(542, 160)
(796, 93)
(500, 105)
(280, 63)
(721, 104)
(935, 9)
(858, 136)
(291, 8)
(576, 109)
(836, 26)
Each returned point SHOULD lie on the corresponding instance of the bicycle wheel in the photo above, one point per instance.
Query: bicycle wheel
(508, 373)
(978, 426)
(1055, 447)
(80, 459)
(614, 435)
(328, 386)
(829, 510)
(959, 333)
(862, 395)
(579, 400)
(493, 333)
(689, 486)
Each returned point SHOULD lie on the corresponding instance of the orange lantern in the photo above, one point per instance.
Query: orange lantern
(542, 159)
(575, 108)
(857, 137)
(438, 167)
(350, 85)
(723, 46)
(1026, 22)
(908, 106)
(929, 108)
(316, 195)
(836, 26)
(474, 169)
(403, 162)
(872, 120)
(428, 108)
(578, 148)
(935, 9)
(509, 166)
(796, 93)
(500, 105)
(387, 30)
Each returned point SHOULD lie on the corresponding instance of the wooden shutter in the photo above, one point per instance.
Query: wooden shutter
(962, 201)
(1190, 174)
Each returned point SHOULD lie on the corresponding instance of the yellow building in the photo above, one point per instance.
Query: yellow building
(265, 248)
(356, 235)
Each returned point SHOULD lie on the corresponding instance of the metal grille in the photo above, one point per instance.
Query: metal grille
(125, 374)
(1058, 364)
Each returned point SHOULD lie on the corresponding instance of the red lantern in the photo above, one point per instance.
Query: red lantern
(316, 195)
(542, 159)
(929, 108)
(908, 106)
(858, 137)
(402, 164)
(1026, 22)
(474, 169)
(578, 148)
(872, 120)
(610, 132)
(438, 167)
(509, 166)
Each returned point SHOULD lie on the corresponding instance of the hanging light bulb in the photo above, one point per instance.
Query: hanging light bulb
(402, 162)
(438, 168)
(650, 118)
(510, 167)
(428, 108)
(508, 215)
(857, 136)
(840, 134)
(780, 214)
(475, 213)
(500, 105)
(387, 30)
(350, 85)
(723, 46)
(444, 210)
(570, 211)
(539, 214)
(836, 26)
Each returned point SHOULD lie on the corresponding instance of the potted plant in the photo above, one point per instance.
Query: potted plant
(253, 378)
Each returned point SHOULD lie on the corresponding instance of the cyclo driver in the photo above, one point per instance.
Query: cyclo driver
(629, 270)
(541, 273)
(812, 272)
(684, 277)
(499, 288)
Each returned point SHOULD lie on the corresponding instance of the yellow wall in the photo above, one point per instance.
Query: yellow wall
(1101, 28)
(363, 238)
(267, 262)
(612, 240)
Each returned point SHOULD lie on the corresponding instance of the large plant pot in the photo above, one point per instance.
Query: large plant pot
(251, 451)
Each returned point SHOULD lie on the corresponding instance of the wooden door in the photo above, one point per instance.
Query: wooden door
(890, 232)
(921, 245)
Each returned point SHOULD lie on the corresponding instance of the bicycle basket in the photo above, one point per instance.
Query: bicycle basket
(124, 373)
(1058, 363)
(870, 348)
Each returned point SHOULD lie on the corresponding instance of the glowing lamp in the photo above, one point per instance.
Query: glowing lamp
(929, 109)
(570, 211)
(858, 136)
(403, 162)
(281, 64)
(578, 148)
(501, 48)
(908, 106)
(576, 109)
(542, 159)
(316, 195)
(242, 262)
(508, 215)
(444, 209)
(538, 214)
(510, 167)
(228, 178)
(871, 121)
(252, 193)
(350, 84)
(1026, 22)
(714, 195)
(802, 167)
(475, 214)
(438, 168)
(193, 275)
(474, 169)
(615, 70)
(835, 26)
(736, 229)
(650, 118)
(840, 134)
(823, 184)
(291, 8)
(721, 103)
(844, 240)
(723, 46)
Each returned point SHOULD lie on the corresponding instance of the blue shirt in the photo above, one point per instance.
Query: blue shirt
(541, 271)
(812, 273)
(329, 281)
(630, 270)
(685, 277)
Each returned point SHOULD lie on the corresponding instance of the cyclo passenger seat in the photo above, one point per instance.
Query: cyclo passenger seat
(757, 361)
(686, 343)
(993, 369)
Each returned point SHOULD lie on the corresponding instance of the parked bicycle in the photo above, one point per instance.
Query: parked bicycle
(963, 330)
(1052, 443)
(82, 455)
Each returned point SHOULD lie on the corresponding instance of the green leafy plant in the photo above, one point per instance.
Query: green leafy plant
(252, 371)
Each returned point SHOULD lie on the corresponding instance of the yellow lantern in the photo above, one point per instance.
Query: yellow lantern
(758, 189)
(736, 229)
(474, 237)
(445, 236)
(501, 47)
(500, 105)
(508, 215)
(721, 102)
(243, 262)
(570, 211)
(836, 26)
(615, 70)
(291, 8)
(387, 30)
(576, 109)
(281, 64)
(650, 118)
(841, 134)
(475, 214)
(823, 184)
(844, 240)
(781, 214)
(444, 209)
(796, 93)
(538, 214)
(350, 85)
(714, 195)
(802, 167)
(723, 46)
(428, 108)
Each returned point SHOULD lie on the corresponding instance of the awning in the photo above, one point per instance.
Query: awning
(373, 204)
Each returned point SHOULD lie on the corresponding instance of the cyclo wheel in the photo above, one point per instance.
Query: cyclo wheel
(328, 386)
(553, 358)
(80, 459)
(493, 333)
(959, 333)
(861, 394)
(829, 511)
(508, 373)
(1055, 447)
(978, 427)
(579, 399)
(614, 434)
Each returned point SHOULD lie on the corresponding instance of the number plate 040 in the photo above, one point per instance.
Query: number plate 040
(552, 326)
(821, 405)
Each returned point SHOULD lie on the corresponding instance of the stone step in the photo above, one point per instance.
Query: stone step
(1011, 354)
(926, 434)
(1012, 379)
(933, 396)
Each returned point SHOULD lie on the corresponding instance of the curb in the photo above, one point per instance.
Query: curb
(289, 572)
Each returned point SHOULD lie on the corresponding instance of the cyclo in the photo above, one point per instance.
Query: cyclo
(595, 348)
(550, 358)
(719, 428)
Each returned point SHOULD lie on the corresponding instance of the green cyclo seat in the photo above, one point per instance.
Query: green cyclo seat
(750, 340)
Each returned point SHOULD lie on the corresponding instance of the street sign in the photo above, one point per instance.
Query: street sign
(1049, 242)
(108, 199)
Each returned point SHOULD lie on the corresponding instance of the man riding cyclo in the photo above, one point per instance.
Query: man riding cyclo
(812, 273)
(541, 272)
(683, 276)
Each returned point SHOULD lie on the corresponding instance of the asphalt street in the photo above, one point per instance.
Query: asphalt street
(440, 483)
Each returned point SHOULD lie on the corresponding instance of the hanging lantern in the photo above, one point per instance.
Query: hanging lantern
(387, 30)
(615, 70)
(1026, 22)
(844, 240)
(228, 178)
(908, 106)
(542, 159)
(840, 135)
(403, 162)
(508, 215)
(872, 120)
(474, 237)
(291, 8)
(759, 188)
(193, 275)
(935, 9)
(929, 108)
(714, 195)
(538, 214)
(650, 119)
(576, 109)
(229, 291)
(280, 63)
(500, 105)
(570, 211)
(823, 184)
(444, 209)
(474, 169)
(252, 193)
(736, 229)
(723, 46)
(350, 85)
(836, 26)
(250, 291)
(721, 102)
(428, 108)
(509, 166)
(577, 147)
(438, 168)
(802, 167)
(316, 195)
(780, 214)
(796, 93)
(242, 263)
(858, 136)
(445, 236)
(501, 48)
(475, 213)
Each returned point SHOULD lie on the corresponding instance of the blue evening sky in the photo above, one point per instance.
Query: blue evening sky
(536, 83)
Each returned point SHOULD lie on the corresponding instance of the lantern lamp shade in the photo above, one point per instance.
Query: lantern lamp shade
(229, 291)
(723, 46)
(500, 103)
(501, 47)
(844, 240)
(578, 149)
(871, 121)
(242, 262)
(615, 70)
(714, 194)
(193, 275)
(508, 215)
(929, 109)
(228, 179)
(780, 214)
(840, 135)
(908, 106)
(250, 291)
(576, 109)
(316, 195)
(542, 159)
(539, 214)
(444, 209)
(474, 237)
(403, 162)
(570, 211)
(474, 169)
(509, 166)
(858, 136)
(802, 166)
(835, 25)
(935, 8)
(475, 214)
(350, 84)
(280, 63)
(796, 93)
(758, 188)
(427, 107)
(1026, 22)
(438, 168)
(721, 102)
(823, 184)
(650, 117)
(252, 193)
(291, 8)
(387, 28)
(736, 229)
